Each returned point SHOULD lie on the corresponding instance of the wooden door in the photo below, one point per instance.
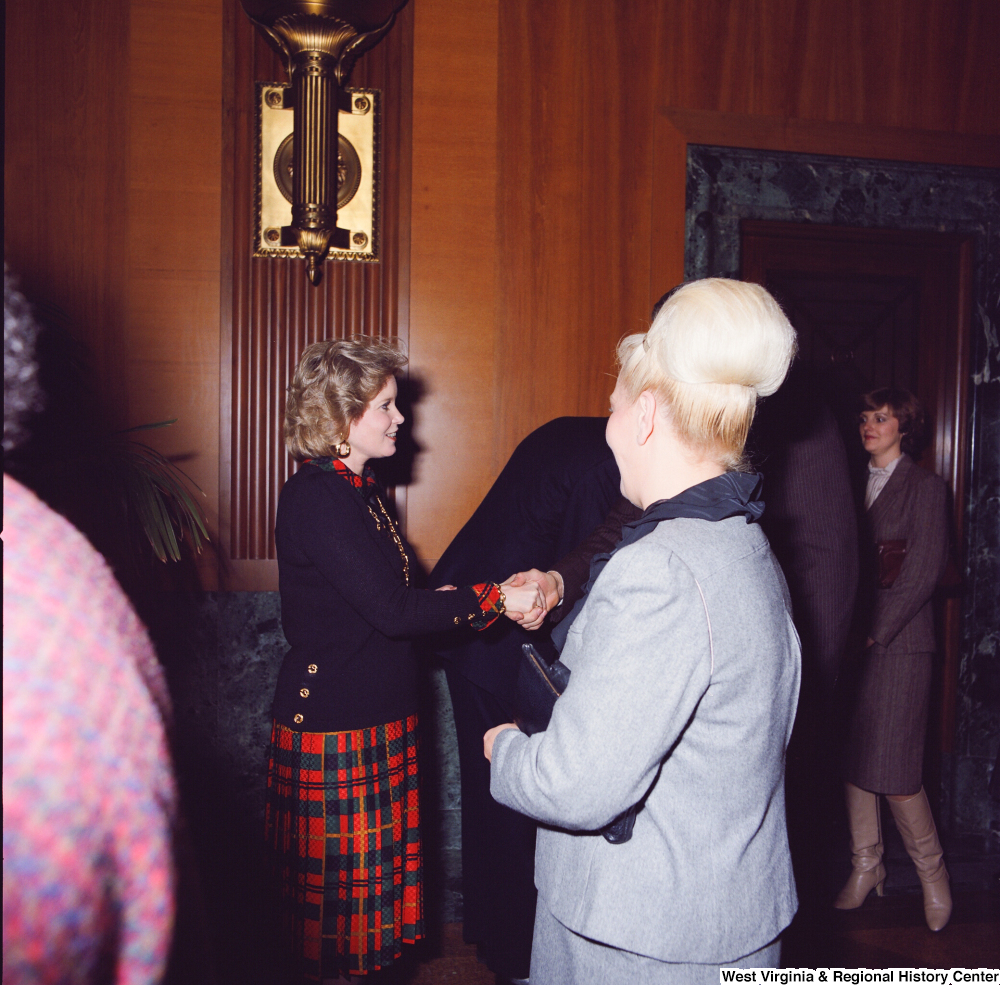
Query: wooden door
(880, 307)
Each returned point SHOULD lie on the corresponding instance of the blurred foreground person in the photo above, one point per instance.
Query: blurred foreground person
(88, 795)
(685, 677)
(907, 527)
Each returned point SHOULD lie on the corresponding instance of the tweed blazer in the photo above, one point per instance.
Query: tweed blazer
(686, 669)
(912, 507)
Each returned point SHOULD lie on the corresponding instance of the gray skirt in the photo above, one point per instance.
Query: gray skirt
(885, 746)
(561, 957)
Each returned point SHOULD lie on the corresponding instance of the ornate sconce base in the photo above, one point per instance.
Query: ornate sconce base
(318, 40)
(358, 176)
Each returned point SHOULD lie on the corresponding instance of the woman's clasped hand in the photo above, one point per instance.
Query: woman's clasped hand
(523, 601)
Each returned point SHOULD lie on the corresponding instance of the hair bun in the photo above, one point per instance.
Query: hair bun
(724, 331)
(713, 348)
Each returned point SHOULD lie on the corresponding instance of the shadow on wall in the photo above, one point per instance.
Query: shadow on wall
(76, 460)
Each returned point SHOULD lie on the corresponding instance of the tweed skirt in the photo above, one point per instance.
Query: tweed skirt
(885, 745)
(342, 822)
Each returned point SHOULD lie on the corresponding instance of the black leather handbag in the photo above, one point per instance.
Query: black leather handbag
(539, 683)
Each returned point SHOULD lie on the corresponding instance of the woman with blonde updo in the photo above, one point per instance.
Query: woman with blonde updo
(342, 799)
(685, 677)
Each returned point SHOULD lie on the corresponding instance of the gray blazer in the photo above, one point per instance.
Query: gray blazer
(913, 507)
(685, 681)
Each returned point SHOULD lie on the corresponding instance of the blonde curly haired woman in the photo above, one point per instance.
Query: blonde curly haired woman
(343, 799)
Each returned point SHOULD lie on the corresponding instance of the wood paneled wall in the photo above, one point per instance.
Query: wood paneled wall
(171, 328)
(584, 212)
(112, 196)
(922, 64)
(575, 188)
(453, 265)
(539, 209)
(276, 313)
(66, 170)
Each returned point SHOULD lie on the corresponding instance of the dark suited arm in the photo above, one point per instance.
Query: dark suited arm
(811, 523)
(923, 566)
(575, 566)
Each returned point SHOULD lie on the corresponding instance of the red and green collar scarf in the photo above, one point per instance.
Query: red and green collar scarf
(366, 483)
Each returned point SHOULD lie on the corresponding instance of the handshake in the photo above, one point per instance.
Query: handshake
(531, 595)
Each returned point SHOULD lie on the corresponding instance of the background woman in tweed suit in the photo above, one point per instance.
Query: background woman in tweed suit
(906, 511)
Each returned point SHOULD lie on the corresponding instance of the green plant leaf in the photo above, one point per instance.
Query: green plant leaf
(157, 493)
(148, 427)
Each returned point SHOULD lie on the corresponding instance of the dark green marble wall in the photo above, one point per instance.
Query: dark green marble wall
(222, 652)
(726, 185)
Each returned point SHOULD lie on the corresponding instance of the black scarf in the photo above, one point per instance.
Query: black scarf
(729, 494)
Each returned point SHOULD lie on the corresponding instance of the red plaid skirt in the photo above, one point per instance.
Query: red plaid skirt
(342, 823)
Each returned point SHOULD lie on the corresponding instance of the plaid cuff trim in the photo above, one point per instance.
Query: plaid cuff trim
(489, 598)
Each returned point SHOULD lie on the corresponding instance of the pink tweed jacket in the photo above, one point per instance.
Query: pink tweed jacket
(88, 793)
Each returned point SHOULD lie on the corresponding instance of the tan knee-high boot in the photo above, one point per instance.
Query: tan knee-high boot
(916, 824)
(866, 849)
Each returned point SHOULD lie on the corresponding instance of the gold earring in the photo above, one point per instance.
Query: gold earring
(342, 449)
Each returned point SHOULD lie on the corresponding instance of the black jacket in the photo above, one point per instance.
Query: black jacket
(556, 488)
(346, 612)
(562, 481)
(809, 521)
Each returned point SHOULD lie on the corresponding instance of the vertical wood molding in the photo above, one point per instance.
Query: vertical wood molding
(274, 313)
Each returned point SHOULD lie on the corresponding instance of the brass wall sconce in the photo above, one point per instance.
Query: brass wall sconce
(357, 173)
(318, 41)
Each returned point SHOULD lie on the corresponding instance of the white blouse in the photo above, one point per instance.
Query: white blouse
(877, 478)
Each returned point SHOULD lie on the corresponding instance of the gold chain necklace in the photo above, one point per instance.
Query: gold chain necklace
(393, 532)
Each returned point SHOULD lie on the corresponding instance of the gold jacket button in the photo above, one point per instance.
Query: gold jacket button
(472, 616)
(297, 719)
(458, 620)
(312, 668)
(304, 692)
